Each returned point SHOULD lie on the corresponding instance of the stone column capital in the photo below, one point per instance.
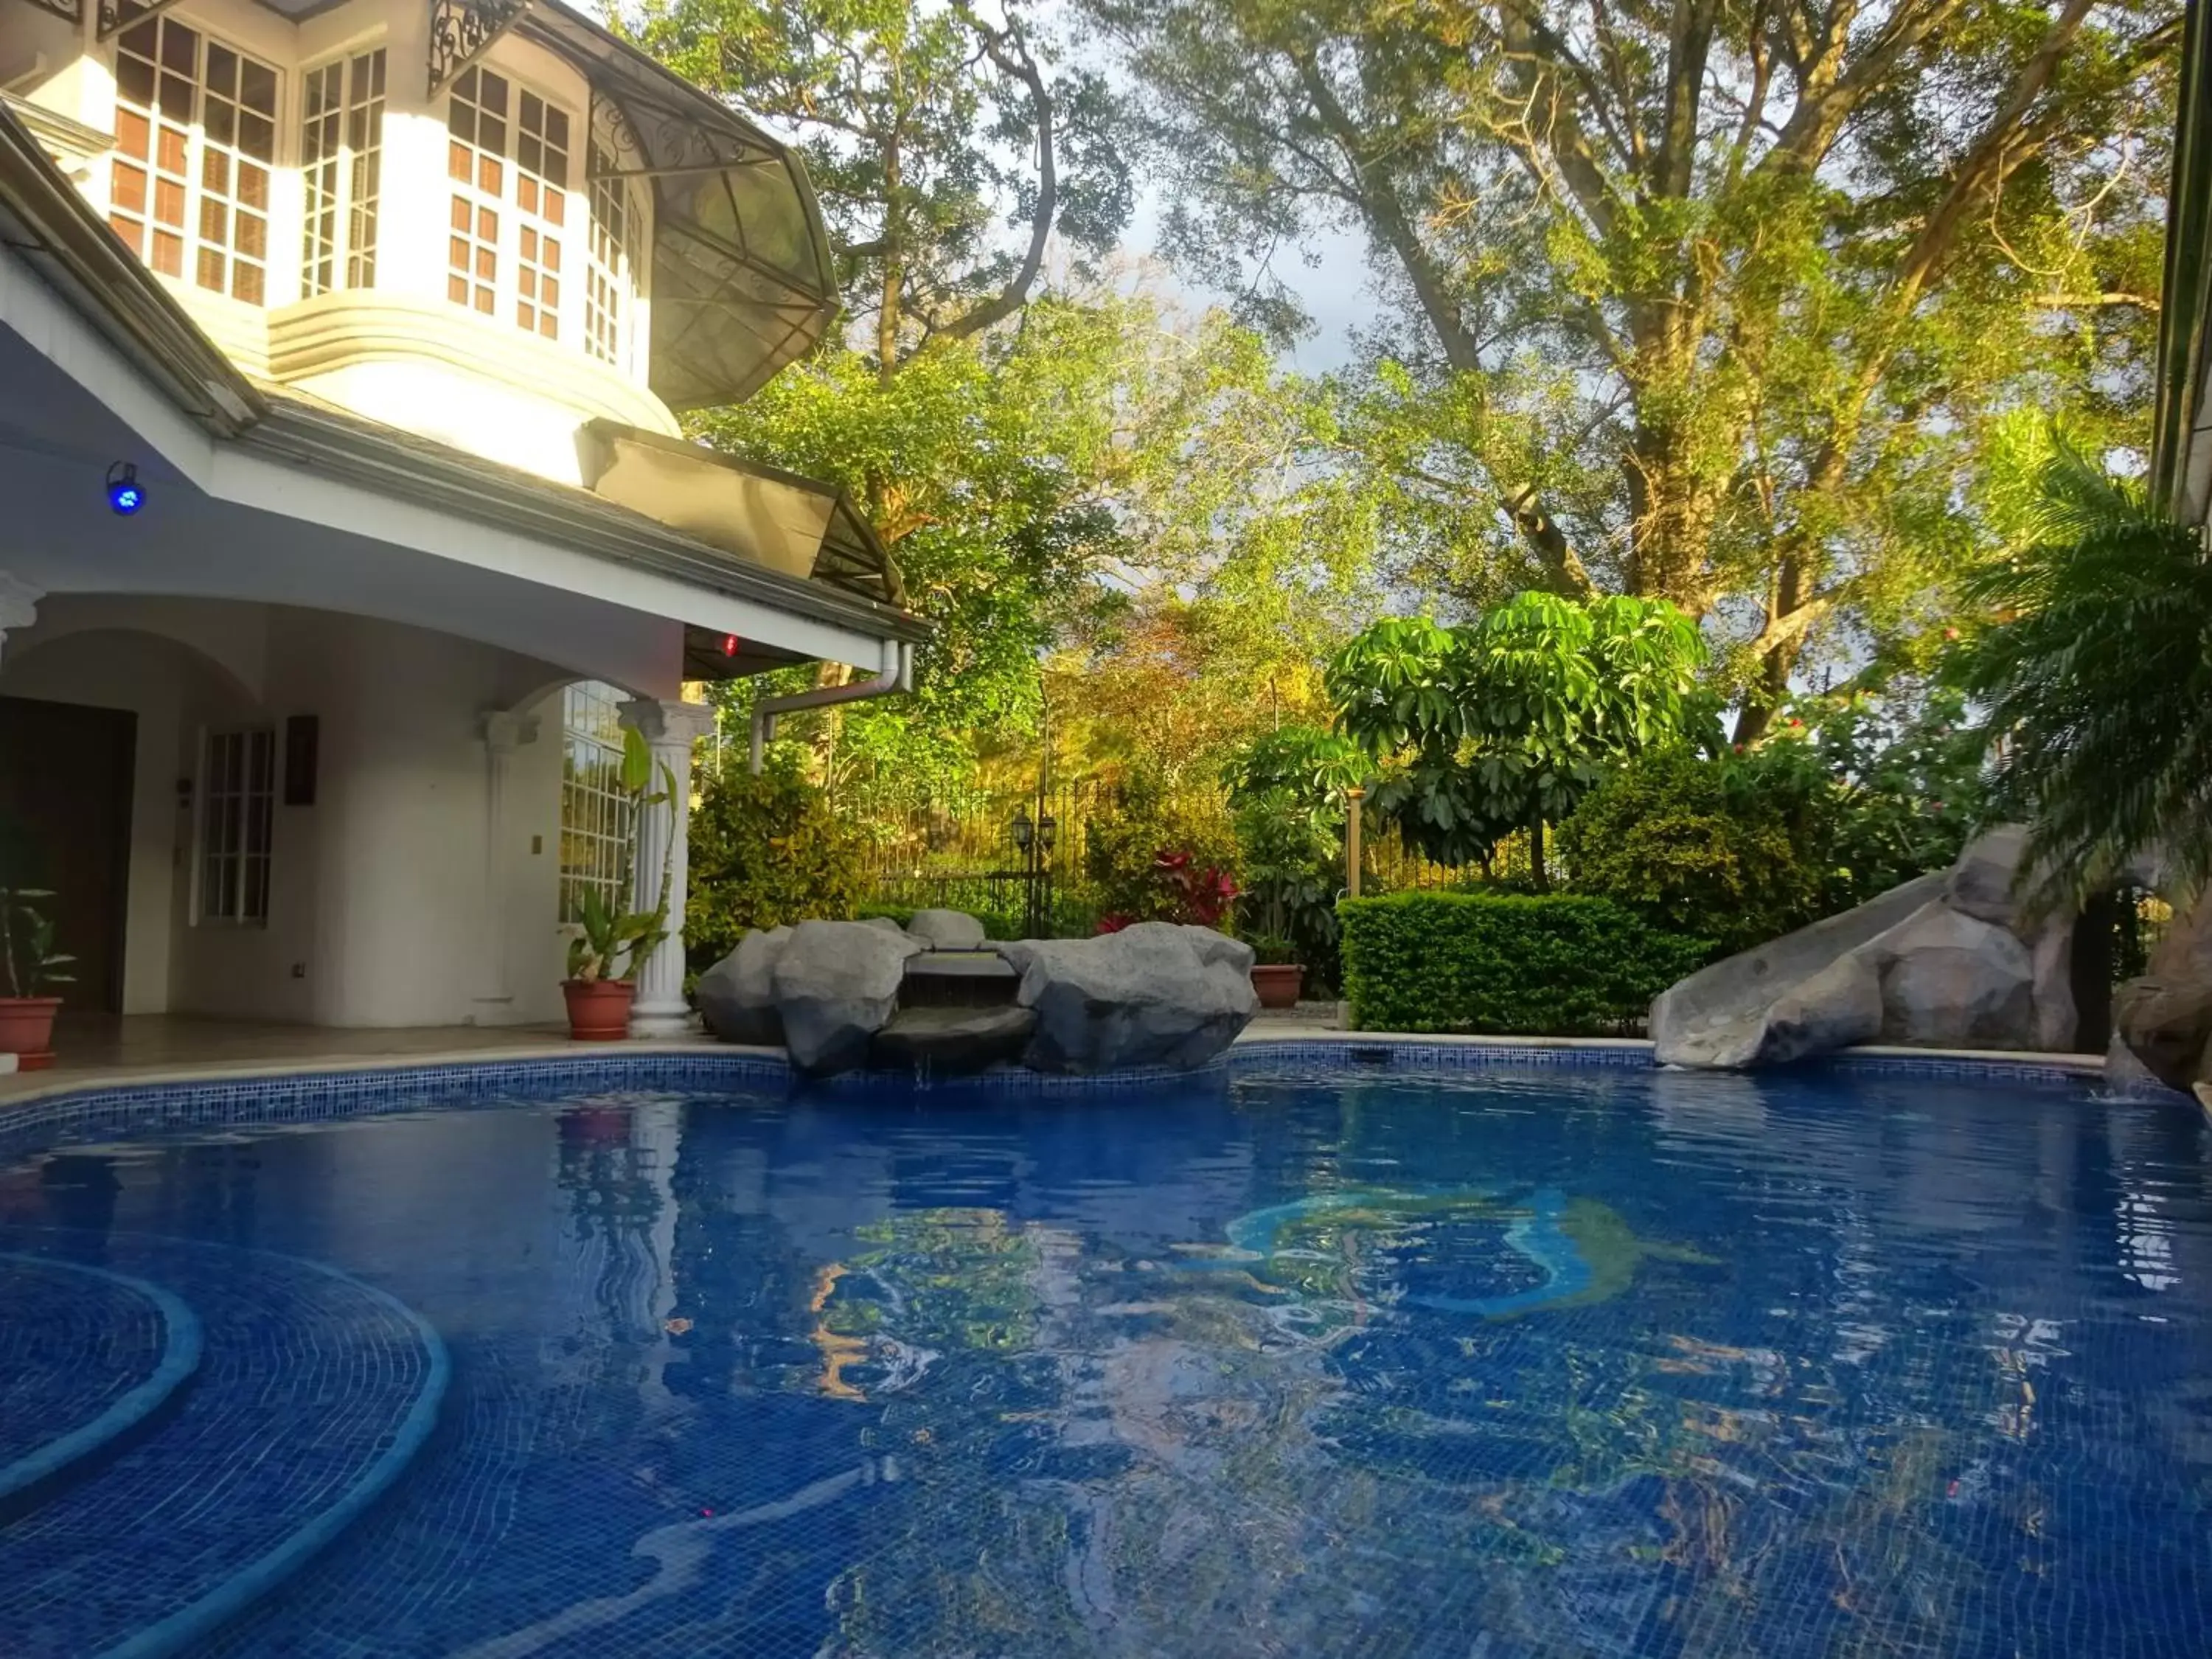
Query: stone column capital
(505, 732)
(669, 724)
(19, 603)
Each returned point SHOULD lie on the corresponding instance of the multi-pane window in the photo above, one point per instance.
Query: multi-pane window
(195, 141)
(238, 795)
(508, 156)
(341, 166)
(476, 161)
(541, 197)
(606, 273)
(595, 809)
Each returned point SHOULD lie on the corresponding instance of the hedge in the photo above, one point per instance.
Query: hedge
(1555, 965)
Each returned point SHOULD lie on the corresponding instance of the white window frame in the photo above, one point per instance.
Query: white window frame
(595, 809)
(236, 807)
(141, 227)
(518, 233)
(352, 204)
(610, 288)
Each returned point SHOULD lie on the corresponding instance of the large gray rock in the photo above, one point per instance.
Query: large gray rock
(1717, 1017)
(2127, 1077)
(1981, 884)
(946, 930)
(1950, 980)
(1153, 995)
(2166, 1017)
(736, 997)
(836, 984)
(1838, 1007)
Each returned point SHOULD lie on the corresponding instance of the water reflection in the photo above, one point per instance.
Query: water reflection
(1566, 1362)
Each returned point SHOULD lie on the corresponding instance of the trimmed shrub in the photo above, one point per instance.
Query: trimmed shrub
(1730, 849)
(1552, 965)
(764, 851)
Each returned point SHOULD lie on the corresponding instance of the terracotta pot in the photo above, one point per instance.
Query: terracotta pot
(599, 1009)
(1277, 983)
(26, 1030)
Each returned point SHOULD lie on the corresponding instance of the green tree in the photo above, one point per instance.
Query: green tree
(927, 129)
(1729, 847)
(1705, 301)
(764, 851)
(1506, 722)
(2098, 681)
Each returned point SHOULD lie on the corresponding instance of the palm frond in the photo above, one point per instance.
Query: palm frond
(2097, 683)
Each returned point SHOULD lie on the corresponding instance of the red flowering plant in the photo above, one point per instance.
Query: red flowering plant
(1198, 898)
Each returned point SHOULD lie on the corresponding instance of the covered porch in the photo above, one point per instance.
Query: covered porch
(306, 737)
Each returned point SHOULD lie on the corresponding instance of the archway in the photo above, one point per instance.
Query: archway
(2112, 943)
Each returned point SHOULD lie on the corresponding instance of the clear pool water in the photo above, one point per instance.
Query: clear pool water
(1492, 1364)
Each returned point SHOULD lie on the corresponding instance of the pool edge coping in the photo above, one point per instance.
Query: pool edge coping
(569, 1051)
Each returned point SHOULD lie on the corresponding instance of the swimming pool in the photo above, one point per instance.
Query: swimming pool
(1300, 1360)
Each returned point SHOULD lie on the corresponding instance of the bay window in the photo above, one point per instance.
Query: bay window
(507, 159)
(195, 144)
(341, 170)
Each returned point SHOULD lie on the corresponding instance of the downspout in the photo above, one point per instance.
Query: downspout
(898, 675)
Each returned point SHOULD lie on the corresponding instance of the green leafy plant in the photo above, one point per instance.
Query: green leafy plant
(2097, 683)
(612, 941)
(26, 942)
(1308, 767)
(1553, 965)
(766, 851)
(1291, 859)
(1907, 774)
(1732, 848)
(1123, 839)
(1506, 722)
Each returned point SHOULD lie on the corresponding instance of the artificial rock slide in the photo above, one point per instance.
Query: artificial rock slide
(1950, 960)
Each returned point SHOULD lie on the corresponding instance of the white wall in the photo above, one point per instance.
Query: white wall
(394, 899)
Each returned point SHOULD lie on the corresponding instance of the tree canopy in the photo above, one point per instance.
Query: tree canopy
(1708, 302)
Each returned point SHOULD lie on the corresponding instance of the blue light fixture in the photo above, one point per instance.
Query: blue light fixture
(124, 492)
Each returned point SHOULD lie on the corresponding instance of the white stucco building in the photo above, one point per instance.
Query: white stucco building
(385, 306)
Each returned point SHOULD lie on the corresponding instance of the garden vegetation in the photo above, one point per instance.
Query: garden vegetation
(1679, 533)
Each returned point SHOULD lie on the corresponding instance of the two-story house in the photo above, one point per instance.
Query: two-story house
(344, 518)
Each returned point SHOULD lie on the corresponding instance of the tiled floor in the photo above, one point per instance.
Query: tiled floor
(104, 1049)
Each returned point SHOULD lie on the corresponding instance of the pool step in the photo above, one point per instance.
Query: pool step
(311, 1394)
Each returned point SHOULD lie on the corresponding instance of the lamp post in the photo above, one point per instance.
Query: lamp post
(1354, 795)
(1034, 839)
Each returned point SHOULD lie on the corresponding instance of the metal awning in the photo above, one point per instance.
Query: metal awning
(742, 278)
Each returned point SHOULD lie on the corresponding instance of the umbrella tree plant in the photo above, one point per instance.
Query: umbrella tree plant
(1505, 722)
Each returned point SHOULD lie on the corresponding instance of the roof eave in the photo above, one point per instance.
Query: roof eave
(105, 283)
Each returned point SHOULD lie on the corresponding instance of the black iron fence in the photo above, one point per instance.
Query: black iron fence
(1021, 860)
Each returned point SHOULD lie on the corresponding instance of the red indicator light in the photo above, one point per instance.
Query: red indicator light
(729, 645)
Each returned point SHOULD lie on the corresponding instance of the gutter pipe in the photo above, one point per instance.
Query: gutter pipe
(898, 675)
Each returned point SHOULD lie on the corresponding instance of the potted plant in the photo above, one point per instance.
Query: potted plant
(1277, 975)
(1289, 853)
(612, 942)
(27, 960)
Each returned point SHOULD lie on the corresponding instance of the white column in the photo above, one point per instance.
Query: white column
(503, 733)
(671, 729)
(18, 606)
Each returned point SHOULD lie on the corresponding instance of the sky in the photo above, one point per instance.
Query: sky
(1336, 291)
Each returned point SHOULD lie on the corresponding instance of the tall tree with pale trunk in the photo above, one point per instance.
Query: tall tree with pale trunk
(1702, 299)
